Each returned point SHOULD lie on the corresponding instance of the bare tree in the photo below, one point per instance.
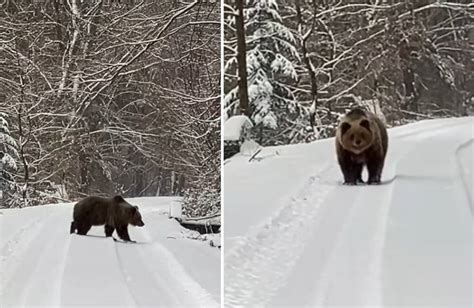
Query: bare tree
(111, 97)
(402, 59)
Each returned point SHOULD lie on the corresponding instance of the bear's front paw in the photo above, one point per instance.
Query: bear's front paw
(374, 182)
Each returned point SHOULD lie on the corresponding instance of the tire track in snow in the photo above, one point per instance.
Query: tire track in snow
(325, 277)
(154, 276)
(145, 287)
(29, 230)
(92, 274)
(13, 248)
(352, 273)
(198, 296)
(144, 284)
(25, 281)
(465, 174)
(424, 202)
(259, 264)
(348, 239)
(66, 256)
(53, 252)
(125, 276)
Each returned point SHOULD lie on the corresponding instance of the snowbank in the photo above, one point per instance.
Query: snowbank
(234, 127)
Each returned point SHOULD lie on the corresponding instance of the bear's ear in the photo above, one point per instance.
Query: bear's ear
(118, 199)
(365, 123)
(344, 127)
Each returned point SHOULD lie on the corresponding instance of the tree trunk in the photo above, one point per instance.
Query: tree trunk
(242, 59)
(313, 117)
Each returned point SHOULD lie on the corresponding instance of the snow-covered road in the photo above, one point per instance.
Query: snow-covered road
(42, 264)
(294, 236)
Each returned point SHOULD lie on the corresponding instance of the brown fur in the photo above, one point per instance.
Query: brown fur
(115, 213)
(361, 140)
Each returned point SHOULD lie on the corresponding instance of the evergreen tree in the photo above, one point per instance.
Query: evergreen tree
(8, 153)
(271, 60)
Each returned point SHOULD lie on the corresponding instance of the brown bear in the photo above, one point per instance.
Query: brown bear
(115, 213)
(361, 140)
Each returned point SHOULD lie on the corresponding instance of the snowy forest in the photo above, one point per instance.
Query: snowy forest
(109, 97)
(303, 63)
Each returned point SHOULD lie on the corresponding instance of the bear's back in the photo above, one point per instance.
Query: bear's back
(92, 209)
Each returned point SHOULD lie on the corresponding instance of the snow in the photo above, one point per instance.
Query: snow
(42, 264)
(8, 162)
(249, 147)
(234, 125)
(294, 236)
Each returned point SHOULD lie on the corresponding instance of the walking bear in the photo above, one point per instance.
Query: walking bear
(115, 213)
(361, 140)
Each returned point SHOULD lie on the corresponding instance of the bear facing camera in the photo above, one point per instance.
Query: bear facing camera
(115, 213)
(361, 140)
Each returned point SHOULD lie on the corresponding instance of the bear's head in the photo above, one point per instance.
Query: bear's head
(356, 133)
(134, 216)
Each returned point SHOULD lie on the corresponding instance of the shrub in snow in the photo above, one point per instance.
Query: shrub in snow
(214, 239)
(202, 202)
(231, 148)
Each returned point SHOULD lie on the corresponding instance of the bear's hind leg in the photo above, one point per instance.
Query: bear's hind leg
(73, 227)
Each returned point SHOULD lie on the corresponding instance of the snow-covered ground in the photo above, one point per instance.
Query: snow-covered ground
(42, 264)
(294, 236)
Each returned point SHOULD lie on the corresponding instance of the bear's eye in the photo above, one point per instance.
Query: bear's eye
(352, 137)
(365, 123)
(344, 127)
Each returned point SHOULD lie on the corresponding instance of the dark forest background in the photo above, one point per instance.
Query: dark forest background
(110, 97)
(307, 62)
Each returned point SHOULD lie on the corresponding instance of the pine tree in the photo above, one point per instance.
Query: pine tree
(8, 153)
(271, 60)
